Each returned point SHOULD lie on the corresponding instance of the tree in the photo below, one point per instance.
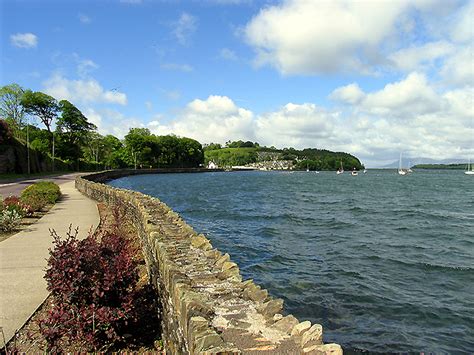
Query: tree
(136, 140)
(72, 127)
(11, 108)
(72, 122)
(41, 105)
(44, 107)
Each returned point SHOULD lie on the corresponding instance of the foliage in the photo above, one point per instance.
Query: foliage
(106, 150)
(13, 203)
(242, 144)
(9, 220)
(41, 105)
(6, 134)
(92, 282)
(40, 194)
(72, 128)
(10, 105)
(147, 150)
(231, 156)
(330, 162)
(212, 146)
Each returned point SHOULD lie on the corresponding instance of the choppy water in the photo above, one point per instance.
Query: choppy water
(383, 262)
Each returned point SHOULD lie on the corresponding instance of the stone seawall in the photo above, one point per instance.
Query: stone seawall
(206, 308)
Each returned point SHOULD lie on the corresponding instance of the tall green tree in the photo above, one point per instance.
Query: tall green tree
(72, 127)
(41, 105)
(11, 108)
(44, 107)
(72, 123)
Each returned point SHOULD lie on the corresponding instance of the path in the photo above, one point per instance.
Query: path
(23, 256)
(15, 187)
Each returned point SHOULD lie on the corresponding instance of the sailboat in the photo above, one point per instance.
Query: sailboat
(400, 170)
(340, 170)
(470, 169)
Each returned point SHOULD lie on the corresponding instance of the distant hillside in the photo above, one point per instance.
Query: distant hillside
(251, 154)
(441, 166)
(412, 162)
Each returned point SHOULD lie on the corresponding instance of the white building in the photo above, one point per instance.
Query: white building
(212, 165)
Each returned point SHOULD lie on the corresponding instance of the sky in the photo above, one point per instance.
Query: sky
(371, 78)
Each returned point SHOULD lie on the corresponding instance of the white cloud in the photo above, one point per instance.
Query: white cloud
(216, 119)
(178, 67)
(463, 29)
(85, 66)
(314, 37)
(24, 40)
(458, 69)
(82, 91)
(84, 18)
(118, 124)
(228, 54)
(409, 116)
(414, 57)
(410, 96)
(184, 28)
(351, 94)
(304, 125)
(94, 117)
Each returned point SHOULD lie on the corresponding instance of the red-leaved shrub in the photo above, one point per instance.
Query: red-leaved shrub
(92, 282)
(14, 203)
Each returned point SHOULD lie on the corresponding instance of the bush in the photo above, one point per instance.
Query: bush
(13, 203)
(9, 220)
(6, 133)
(40, 194)
(94, 280)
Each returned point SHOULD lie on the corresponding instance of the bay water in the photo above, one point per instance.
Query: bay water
(384, 262)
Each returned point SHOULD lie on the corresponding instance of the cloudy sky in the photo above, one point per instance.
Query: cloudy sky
(372, 78)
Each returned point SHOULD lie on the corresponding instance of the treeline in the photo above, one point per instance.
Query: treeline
(244, 153)
(60, 131)
(440, 166)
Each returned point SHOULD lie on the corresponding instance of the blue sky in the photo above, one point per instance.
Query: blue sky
(371, 78)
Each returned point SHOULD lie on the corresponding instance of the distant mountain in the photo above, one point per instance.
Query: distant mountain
(409, 162)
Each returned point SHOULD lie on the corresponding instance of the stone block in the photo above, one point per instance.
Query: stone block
(313, 336)
(229, 265)
(210, 340)
(301, 328)
(286, 324)
(327, 349)
(222, 260)
(199, 241)
(270, 308)
(255, 293)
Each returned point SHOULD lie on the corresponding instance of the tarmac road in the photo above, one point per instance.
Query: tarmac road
(15, 187)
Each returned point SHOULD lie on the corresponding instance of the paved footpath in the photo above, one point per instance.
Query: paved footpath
(23, 257)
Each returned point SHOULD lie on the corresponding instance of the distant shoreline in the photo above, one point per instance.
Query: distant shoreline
(440, 166)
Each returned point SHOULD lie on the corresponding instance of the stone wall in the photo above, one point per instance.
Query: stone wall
(13, 159)
(206, 306)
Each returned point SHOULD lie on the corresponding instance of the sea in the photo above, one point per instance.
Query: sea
(385, 263)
